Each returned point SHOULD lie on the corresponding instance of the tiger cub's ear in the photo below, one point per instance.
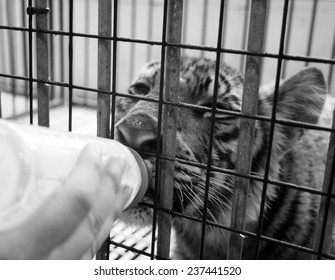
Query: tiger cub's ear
(300, 98)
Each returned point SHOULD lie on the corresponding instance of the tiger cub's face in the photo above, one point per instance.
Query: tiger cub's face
(300, 98)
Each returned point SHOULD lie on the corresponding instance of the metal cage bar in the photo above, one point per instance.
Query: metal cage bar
(0, 101)
(165, 44)
(169, 125)
(70, 88)
(272, 126)
(326, 217)
(211, 137)
(204, 26)
(247, 126)
(114, 57)
(104, 67)
(301, 58)
(10, 37)
(150, 29)
(25, 47)
(42, 62)
(87, 45)
(132, 35)
(52, 50)
(30, 62)
(311, 29)
(62, 57)
(245, 32)
(185, 21)
(288, 36)
(224, 26)
(159, 131)
(331, 66)
(104, 83)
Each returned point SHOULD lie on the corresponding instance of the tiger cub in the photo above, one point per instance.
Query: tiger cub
(298, 157)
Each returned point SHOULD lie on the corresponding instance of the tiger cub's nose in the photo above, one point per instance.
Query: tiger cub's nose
(138, 131)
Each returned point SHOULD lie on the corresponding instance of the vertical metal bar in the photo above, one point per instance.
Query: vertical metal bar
(104, 83)
(288, 36)
(24, 48)
(30, 55)
(115, 53)
(87, 68)
(331, 67)
(42, 60)
(150, 25)
(61, 49)
(70, 63)
(224, 26)
(159, 131)
(326, 217)
(119, 54)
(245, 33)
(51, 46)
(133, 36)
(204, 25)
(212, 129)
(169, 125)
(247, 126)
(104, 67)
(272, 127)
(0, 99)
(185, 24)
(3, 64)
(266, 23)
(311, 30)
(12, 68)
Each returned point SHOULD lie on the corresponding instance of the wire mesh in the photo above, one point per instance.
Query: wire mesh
(110, 40)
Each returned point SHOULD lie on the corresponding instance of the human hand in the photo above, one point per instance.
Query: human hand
(75, 220)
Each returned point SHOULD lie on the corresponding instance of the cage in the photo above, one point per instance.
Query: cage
(65, 64)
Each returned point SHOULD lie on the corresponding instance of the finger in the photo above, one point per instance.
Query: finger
(106, 208)
(63, 210)
(123, 193)
(107, 226)
(114, 168)
(84, 235)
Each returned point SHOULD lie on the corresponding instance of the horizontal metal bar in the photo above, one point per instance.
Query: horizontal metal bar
(226, 171)
(131, 249)
(183, 46)
(234, 173)
(242, 232)
(181, 105)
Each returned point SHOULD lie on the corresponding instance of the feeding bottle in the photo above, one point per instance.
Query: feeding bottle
(34, 161)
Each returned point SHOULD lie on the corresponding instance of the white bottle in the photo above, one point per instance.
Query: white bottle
(34, 161)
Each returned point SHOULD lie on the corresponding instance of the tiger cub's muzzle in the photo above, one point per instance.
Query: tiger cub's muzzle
(138, 131)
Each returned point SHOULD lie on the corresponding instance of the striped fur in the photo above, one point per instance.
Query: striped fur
(290, 214)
